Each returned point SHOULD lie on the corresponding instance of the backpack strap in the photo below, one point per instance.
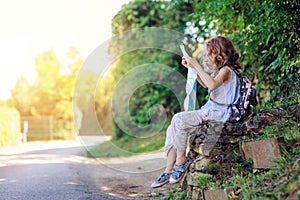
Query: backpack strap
(220, 104)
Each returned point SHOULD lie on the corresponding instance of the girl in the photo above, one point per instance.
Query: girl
(223, 85)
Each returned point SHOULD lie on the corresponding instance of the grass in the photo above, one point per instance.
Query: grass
(128, 146)
(173, 194)
(279, 182)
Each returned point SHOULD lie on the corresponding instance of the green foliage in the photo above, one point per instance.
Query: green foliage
(267, 34)
(286, 128)
(9, 126)
(140, 14)
(174, 194)
(145, 97)
(51, 93)
(203, 181)
(23, 96)
(279, 182)
(53, 87)
(143, 14)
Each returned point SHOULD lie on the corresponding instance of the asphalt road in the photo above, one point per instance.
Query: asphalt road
(48, 171)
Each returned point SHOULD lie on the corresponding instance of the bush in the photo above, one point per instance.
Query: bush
(9, 126)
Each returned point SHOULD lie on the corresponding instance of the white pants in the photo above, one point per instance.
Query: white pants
(181, 126)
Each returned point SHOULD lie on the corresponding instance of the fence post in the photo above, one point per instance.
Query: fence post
(25, 131)
(51, 127)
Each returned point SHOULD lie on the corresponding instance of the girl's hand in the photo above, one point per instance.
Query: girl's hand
(184, 62)
(192, 62)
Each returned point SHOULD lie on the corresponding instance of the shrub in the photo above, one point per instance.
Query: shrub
(9, 126)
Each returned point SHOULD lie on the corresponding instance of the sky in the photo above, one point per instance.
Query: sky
(30, 27)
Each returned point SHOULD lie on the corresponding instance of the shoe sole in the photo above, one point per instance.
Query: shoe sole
(163, 183)
(176, 181)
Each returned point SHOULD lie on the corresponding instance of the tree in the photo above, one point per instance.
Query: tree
(51, 94)
(45, 89)
(267, 34)
(147, 14)
(22, 97)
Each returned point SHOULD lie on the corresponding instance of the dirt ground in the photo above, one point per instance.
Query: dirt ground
(130, 178)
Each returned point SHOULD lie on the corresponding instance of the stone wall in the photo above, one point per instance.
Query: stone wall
(217, 147)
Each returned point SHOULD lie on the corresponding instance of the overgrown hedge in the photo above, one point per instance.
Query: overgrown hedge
(9, 126)
(266, 32)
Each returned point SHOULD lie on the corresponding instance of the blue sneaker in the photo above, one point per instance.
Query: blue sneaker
(179, 171)
(161, 180)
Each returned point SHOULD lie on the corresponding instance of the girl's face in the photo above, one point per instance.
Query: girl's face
(208, 59)
(208, 62)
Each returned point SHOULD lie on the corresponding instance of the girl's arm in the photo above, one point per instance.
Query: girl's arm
(210, 82)
(200, 81)
(184, 63)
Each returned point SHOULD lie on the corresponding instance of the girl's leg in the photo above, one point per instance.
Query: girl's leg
(177, 133)
(165, 176)
(180, 167)
(171, 158)
(181, 157)
(181, 126)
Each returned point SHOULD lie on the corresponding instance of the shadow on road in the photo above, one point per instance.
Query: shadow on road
(60, 170)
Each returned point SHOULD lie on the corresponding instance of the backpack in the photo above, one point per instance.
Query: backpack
(247, 100)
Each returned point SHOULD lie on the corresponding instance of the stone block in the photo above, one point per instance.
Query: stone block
(215, 126)
(201, 164)
(217, 194)
(205, 148)
(212, 138)
(190, 191)
(197, 194)
(263, 152)
(193, 178)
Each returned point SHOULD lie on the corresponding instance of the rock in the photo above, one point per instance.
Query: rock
(217, 147)
(217, 194)
(204, 148)
(202, 164)
(262, 152)
(193, 179)
(197, 194)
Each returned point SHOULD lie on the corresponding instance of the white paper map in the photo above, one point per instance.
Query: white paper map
(191, 85)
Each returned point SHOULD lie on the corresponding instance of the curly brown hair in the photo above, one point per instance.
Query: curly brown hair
(222, 52)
